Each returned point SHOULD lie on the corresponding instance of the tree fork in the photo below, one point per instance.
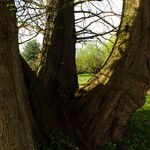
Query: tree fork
(103, 111)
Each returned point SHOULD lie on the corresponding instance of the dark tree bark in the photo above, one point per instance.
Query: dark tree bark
(16, 122)
(119, 89)
(58, 74)
(101, 109)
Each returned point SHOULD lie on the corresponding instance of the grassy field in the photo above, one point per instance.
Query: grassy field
(83, 78)
(138, 132)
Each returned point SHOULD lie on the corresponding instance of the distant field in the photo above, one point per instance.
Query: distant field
(83, 78)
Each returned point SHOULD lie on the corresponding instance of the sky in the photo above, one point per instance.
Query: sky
(99, 26)
(104, 10)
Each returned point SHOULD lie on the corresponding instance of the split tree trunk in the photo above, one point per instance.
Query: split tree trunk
(16, 122)
(119, 89)
(111, 98)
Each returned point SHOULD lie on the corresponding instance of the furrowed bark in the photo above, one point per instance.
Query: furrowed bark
(57, 78)
(16, 121)
(57, 73)
(44, 111)
(119, 88)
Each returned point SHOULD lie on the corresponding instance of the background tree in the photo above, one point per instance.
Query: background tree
(107, 48)
(89, 59)
(31, 50)
(31, 53)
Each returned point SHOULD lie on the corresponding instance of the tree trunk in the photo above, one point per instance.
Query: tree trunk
(57, 77)
(51, 14)
(16, 122)
(104, 105)
(59, 72)
(110, 98)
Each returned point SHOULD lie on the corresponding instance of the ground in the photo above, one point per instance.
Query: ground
(83, 78)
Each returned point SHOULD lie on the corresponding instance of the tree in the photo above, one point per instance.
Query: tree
(93, 114)
(89, 59)
(15, 113)
(31, 53)
(108, 101)
(31, 50)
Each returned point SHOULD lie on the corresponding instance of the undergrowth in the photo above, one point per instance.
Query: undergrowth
(57, 142)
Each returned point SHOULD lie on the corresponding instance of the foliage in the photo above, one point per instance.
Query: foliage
(110, 145)
(138, 135)
(56, 142)
(31, 52)
(88, 59)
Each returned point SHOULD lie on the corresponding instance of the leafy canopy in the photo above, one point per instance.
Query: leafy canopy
(90, 58)
(31, 50)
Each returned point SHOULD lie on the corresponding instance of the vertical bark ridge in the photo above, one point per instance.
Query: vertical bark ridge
(15, 115)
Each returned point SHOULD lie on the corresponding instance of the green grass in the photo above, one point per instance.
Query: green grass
(138, 131)
(138, 134)
(83, 78)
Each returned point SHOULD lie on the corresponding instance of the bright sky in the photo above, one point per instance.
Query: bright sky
(104, 10)
(95, 6)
